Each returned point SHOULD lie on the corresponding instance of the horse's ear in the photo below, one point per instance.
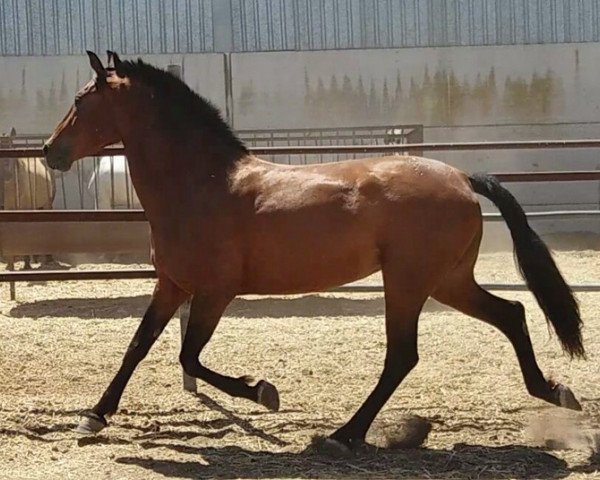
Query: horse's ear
(114, 58)
(96, 65)
(13, 132)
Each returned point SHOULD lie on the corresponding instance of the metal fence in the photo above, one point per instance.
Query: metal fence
(333, 24)
(105, 182)
(67, 27)
(80, 218)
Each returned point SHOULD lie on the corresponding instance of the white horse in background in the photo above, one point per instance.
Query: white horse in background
(26, 184)
(110, 185)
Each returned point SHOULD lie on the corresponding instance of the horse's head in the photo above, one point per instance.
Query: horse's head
(89, 125)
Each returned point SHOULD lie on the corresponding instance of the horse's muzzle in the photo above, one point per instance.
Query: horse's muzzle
(57, 157)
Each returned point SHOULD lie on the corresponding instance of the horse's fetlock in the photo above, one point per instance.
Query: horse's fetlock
(188, 363)
(539, 389)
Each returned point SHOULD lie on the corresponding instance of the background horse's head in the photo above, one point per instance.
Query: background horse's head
(6, 164)
(89, 125)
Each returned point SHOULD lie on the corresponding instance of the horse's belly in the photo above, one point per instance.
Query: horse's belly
(308, 269)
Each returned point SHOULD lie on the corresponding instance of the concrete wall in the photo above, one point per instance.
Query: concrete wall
(458, 93)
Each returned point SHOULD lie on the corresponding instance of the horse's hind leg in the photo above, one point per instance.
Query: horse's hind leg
(205, 313)
(461, 292)
(403, 304)
(165, 301)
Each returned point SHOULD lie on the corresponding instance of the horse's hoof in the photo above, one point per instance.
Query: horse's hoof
(566, 398)
(90, 424)
(335, 448)
(268, 395)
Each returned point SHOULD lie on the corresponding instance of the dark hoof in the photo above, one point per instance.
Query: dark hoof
(565, 398)
(334, 448)
(268, 395)
(90, 424)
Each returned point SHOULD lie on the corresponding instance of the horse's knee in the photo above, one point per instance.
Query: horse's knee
(519, 310)
(401, 363)
(410, 360)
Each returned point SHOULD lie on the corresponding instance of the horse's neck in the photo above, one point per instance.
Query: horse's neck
(170, 177)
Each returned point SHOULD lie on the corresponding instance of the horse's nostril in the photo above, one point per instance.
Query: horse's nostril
(45, 149)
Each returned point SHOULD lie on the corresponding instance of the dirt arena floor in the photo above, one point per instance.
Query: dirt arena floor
(61, 343)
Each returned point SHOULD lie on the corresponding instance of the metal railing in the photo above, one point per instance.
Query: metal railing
(365, 149)
(138, 215)
(105, 182)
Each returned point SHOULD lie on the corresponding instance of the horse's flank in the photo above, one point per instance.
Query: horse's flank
(309, 228)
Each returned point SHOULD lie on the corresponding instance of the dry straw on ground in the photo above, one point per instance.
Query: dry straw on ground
(61, 343)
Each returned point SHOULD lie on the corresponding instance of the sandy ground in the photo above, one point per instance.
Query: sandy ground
(61, 343)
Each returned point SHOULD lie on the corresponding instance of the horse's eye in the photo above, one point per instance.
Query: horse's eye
(77, 101)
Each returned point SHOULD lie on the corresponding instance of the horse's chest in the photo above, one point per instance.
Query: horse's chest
(197, 260)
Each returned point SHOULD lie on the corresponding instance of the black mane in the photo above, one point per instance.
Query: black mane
(182, 110)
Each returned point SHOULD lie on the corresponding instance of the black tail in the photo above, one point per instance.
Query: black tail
(537, 266)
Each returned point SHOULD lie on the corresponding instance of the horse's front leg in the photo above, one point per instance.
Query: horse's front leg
(205, 313)
(165, 301)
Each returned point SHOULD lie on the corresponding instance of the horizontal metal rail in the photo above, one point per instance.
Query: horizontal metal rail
(62, 275)
(568, 176)
(439, 146)
(512, 287)
(42, 216)
(148, 273)
(331, 149)
(138, 215)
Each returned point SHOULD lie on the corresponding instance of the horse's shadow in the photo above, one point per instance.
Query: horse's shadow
(229, 462)
(462, 461)
(309, 305)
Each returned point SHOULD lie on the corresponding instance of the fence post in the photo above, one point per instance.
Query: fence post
(6, 141)
(416, 136)
(189, 383)
(228, 74)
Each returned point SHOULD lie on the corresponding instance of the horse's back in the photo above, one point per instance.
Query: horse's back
(354, 187)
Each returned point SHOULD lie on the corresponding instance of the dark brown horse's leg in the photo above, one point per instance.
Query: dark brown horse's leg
(165, 301)
(508, 317)
(205, 313)
(402, 315)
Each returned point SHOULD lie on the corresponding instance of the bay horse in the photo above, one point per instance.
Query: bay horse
(226, 223)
